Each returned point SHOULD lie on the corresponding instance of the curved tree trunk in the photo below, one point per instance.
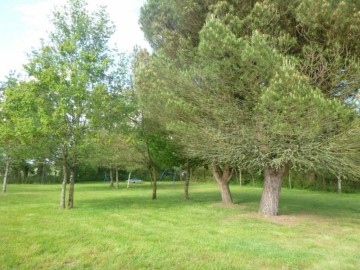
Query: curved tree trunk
(271, 192)
(223, 175)
(225, 193)
(72, 187)
(7, 165)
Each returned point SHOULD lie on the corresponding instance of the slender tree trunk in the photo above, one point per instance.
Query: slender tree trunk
(223, 176)
(117, 177)
(111, 177)
(26, 171)
(187, 181)
(7, 165)
(128, 181)
(153, 177)
(64, 182)
(290, 186)
(72, 187)
(252, 178)
(323, 183)
(186, 189)
(271, 192)
(339, 184)
(240, 177)
(43, 173)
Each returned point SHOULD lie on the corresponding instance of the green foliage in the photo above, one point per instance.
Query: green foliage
(151, 138)
(249, 95)
(70, 70)
(173, 25)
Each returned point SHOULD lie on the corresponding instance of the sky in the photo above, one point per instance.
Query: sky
(24, 22)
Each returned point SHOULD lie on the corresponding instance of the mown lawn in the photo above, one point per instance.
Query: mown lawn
(125, 229)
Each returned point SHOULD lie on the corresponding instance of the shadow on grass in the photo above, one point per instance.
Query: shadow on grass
(99, 196)
(326, 204)
(168, 196)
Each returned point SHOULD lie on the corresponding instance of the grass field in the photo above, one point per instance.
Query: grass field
(125, 229)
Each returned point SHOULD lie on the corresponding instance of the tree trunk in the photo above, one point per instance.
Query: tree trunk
(225, 193)
(252, 178)
(153, 178)
(117, 178)
(26, 170)
(72, 186)
(240, 177)
(271, 193)
(40, 170)
(323, 183)
(7, 165)
(43, 173)
(111, 177)
(64, 182)
(128, 181)
(339, 184)
(187, 182)
(223, 176)
(290, 186)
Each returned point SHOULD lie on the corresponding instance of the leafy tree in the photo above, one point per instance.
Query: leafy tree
(241, 91)
(67, 69)
(18, 122)
(114, 151)
(153, 141)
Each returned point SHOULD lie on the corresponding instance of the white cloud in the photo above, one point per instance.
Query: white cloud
(35, 22)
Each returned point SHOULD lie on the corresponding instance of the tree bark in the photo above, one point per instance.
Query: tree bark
(43, 173)
(64, 182)
(72, 187)
(111, 177)
(222, 176)
(153, 178)
(252, 178)
(128, 181)
(240, 177)
(290, 184)
(117, 178)
(271, 192)
(187, 182)
(26, 170)
(7, 165)
(339, 184)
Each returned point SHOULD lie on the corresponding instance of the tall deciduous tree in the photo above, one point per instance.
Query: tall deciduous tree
(69, 66)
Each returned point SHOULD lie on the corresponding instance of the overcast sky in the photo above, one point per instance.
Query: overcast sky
(24, 22)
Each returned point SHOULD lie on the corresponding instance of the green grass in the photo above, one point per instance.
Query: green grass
(125, 229)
